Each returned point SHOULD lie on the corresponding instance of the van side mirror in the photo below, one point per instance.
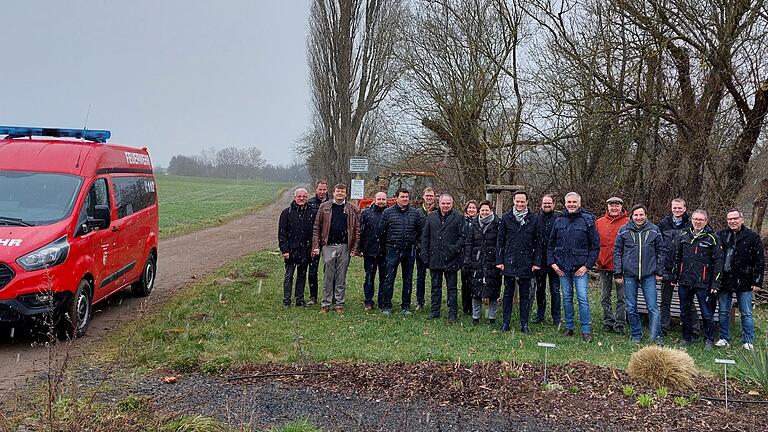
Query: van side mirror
(101, 217)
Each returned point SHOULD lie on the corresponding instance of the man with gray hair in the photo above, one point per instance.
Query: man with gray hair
(442, 241)
(294, 236)
(572, 250)
(697, 268)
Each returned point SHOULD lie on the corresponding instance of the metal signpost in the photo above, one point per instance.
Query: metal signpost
(725, 363)
(546, 346)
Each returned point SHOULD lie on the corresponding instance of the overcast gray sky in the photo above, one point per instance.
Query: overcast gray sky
(176, 76)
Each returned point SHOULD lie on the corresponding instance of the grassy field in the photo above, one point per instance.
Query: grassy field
(235, 317)
(190, 203)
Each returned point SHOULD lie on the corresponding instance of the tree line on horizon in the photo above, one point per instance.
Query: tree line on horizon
(236, 163)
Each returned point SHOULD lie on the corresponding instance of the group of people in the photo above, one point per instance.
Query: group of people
(528, 251)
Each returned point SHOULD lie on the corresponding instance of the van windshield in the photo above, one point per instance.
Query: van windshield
(34, 198)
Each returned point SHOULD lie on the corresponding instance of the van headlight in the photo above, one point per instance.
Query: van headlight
(47, 256)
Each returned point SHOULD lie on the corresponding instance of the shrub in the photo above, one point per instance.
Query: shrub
(628, 390)
(645, 401)
(662, 367)
(662, 392)
(682, 401)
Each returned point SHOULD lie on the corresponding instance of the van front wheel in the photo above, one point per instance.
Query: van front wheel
(77, 315)
(143, 287)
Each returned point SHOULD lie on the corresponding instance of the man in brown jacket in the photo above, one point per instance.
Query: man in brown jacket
(337, 235)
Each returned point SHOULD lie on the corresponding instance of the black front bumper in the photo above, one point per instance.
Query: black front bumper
(24, 307)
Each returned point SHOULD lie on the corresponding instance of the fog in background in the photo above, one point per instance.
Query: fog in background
(175, 76)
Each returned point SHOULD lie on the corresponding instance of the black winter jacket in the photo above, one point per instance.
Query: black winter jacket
(670, 232)
(638, 252)
(294, 232)
(370, 218)
(698, 259)
(400, 228)
(574, 241)
(546, 222)
(442, 241)
(519, 247)
(480, 259)
(315, 201)
(744, 269)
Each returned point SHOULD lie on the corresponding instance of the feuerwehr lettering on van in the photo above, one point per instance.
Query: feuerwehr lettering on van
(137, 159)
(10, 242)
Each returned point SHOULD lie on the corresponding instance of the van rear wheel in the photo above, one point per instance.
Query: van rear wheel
(143, 287)
(77, 315)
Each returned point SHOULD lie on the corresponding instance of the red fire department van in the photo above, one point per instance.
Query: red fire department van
(78, 222)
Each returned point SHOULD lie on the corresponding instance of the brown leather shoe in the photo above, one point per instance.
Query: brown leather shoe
(339, 309)
(587, 337)
(324, 309)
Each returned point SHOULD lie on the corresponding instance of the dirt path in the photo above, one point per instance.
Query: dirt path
(181, 260)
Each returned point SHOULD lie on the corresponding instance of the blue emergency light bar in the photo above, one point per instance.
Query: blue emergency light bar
(100, 136)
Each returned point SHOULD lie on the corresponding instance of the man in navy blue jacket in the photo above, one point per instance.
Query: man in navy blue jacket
(572, 250)
(370, 246)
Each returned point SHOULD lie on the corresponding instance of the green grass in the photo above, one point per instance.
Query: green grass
(232, 318)
(190, 203)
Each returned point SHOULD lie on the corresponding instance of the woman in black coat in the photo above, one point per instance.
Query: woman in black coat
(479, 262)
(470, 214)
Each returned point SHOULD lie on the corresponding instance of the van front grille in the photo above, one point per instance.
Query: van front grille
(6, 274)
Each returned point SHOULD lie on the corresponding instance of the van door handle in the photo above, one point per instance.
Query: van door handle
(114, 229)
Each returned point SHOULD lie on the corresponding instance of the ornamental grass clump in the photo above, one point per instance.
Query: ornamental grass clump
(663, 367)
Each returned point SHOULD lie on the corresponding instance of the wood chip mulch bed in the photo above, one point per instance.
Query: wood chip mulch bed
(588, 396)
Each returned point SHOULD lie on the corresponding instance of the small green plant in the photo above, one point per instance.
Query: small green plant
(628, 390)
(509, 373)
(662, 392)
(553, 387)
(645, 400)
(753, 366)
(297, 426)
(574, 389)
(131, 403)
(694, 397)
(682, 401)
(196, 423)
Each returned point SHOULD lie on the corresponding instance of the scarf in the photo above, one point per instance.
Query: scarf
(485, 221)
(677, 220)
(520, 216)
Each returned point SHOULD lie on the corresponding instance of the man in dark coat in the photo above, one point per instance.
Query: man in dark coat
(441, 246)
(370, 246)
(743, 267)
(399, 230)
(321, 196)
(697, 268)
(572, 250)
(294, 236)
(518, 254)
(671, 226)
(547, 217)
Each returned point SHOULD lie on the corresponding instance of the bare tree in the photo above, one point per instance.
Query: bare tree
(351, 55)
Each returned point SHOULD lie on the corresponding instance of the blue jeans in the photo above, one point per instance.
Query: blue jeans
(648, 285)
(745, 311)
(395, 257)
(371, 265)
(567, 283)
(688, 312)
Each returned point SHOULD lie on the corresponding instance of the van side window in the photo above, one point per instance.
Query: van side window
(97, 195)
(133, 194)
